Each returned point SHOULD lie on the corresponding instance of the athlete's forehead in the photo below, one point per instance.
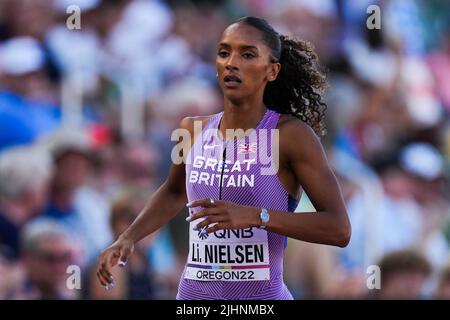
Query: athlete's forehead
(241, 35)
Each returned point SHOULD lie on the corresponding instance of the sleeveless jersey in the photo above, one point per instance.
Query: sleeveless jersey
(245, 263)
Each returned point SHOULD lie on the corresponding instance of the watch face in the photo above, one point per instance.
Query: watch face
(265, 216)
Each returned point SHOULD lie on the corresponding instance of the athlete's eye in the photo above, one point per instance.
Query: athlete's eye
(222, 53)
(248, 55)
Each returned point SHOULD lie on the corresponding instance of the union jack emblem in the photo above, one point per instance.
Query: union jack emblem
(247, 148)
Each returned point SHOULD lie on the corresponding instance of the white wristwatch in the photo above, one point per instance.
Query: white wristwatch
(265, 217)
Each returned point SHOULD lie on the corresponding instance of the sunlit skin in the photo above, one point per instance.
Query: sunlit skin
(242, 53)
(303, 165)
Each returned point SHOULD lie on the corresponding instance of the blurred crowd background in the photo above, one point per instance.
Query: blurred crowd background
(86, 117)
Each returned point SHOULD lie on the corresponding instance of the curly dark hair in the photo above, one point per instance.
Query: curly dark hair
(301, 81)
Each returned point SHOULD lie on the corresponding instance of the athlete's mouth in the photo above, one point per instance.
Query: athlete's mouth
(231, 81)
(231, 78)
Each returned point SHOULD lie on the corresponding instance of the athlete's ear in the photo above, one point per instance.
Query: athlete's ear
(274, 69)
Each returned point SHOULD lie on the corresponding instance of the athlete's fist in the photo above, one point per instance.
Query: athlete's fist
(221, 214)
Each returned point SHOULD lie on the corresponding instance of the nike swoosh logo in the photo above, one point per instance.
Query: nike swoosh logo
(210, 146)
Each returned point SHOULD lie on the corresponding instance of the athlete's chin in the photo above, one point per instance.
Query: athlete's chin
(233, 95)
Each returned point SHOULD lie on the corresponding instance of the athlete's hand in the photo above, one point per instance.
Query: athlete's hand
(117, 253)
(221, 214)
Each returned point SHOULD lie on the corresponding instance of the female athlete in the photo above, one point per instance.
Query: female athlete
(242, 191)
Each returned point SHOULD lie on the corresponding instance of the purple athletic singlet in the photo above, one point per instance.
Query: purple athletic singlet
(245, 263)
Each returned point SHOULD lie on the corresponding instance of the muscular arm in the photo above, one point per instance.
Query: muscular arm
(307, 160)
(304, 158)
(165, 203)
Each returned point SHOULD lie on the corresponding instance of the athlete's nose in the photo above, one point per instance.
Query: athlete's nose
(231, 63)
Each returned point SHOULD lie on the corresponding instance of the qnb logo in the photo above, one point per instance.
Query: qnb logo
(202, 234)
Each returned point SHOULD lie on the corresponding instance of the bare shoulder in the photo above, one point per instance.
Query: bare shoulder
(297, 139)
(188, 122)
(291, 126)
(192, 125)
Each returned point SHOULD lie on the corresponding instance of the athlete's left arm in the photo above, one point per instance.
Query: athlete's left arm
(307, 160)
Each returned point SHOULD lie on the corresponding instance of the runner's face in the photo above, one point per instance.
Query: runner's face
(243, 62)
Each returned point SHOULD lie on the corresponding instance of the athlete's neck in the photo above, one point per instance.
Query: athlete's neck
(243, 116)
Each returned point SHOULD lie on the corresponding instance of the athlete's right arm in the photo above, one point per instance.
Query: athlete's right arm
(164, 204)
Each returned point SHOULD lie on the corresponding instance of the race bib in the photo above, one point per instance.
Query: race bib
(228, 255)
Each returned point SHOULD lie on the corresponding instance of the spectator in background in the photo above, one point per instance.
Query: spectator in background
(403, 275)
(12, 275)
(425, 165)
(184, 97)
(72, 168)
(25, 174)
(47, 252)
(439, 63)
(72, 201)
(402, 223)
(81, 53)
(384, 214)
(137, 281)
(25, 74)
(388, 87)
(443, 288)
(27, 96)
(31, 18)
(139, 164)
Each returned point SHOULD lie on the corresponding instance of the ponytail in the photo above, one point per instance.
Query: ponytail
(301, 81)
